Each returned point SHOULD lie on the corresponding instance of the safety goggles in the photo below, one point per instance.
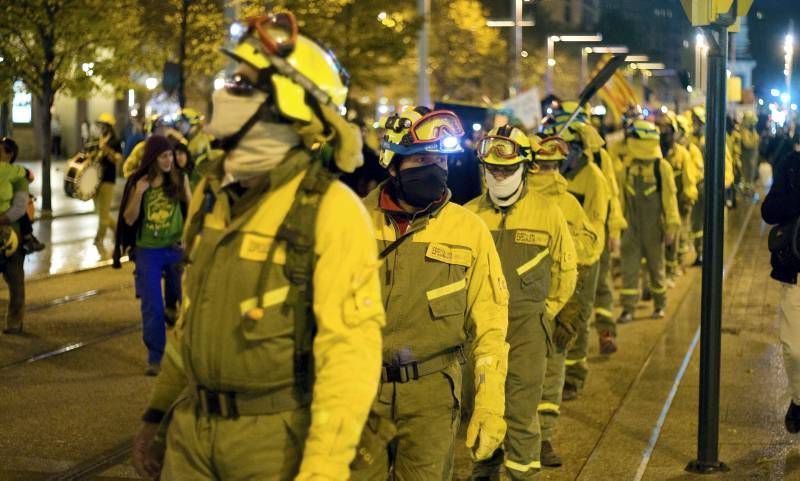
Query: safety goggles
(552, 147)
(436, 126)
(277, 32)
(502, 147)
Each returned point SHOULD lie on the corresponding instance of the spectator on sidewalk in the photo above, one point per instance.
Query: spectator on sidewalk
(150, 227)
(110, 158)
(55, 134)
(782, 206)
(13, 200)
(30, 243)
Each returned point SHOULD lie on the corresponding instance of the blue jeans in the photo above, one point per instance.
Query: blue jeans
(151, 265)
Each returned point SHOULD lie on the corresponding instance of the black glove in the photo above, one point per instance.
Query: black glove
(564, 334)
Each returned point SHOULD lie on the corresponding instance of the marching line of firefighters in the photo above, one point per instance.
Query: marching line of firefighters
(326, 337)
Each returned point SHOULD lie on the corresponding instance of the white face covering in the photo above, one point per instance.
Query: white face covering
(262, 148)
(507, 191)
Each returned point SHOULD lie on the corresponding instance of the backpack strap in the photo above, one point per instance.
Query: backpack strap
(657, 173)
(298, 231)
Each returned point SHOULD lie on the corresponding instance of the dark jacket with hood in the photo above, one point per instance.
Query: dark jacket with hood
(782, 205)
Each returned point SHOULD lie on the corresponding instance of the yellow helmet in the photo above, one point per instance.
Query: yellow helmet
(568, 107)
(699, 112)
(420, 130)
(106, 118)
(290, 66)
(749, 120)
(643, 140)
(551, 127)
(668, 119)
(9, 242)
(684, 123)
(191, 115)
(505, 145)
(552, 149)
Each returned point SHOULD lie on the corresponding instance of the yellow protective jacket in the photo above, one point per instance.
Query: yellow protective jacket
(199, 144)
(442, 283)
(220, 347)
(663, 183)
(616, 217)
(536, 248)
(685, 172)
(589, 186)
(588, 244)
(700, 143)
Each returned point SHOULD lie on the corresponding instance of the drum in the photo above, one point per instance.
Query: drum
(83, 176)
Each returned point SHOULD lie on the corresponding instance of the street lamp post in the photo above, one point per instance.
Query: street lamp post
(517, 23)
(551, 46)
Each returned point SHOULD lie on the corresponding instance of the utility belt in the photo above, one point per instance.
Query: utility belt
(411, 371)
(231, 405)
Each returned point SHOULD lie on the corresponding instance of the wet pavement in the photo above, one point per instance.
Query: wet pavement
(70, 233)
(635, 420)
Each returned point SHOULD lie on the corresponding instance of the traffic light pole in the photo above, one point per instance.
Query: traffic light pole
(707, 461)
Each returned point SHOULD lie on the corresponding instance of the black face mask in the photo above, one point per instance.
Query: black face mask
(421, 186)
(573, 159)
(666, 141)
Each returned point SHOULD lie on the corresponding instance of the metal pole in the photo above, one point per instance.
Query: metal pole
(423, 83)
(551, 61)
(584, 65)
(515, 76)
(711, 305)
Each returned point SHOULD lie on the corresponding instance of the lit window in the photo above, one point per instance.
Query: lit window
(21, 105)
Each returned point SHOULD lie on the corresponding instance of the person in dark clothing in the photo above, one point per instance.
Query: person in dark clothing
(782, 206)
(110, 157)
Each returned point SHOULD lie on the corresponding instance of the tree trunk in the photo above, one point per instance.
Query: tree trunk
(45, 140)
(182, 54)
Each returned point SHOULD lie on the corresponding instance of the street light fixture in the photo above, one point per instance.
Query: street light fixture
(517, 23)
(614, 49)
(551, 46)
(637, 58)
(151, 83)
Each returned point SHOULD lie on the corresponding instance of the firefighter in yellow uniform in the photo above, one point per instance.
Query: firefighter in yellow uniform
(749, 147)
(683, 169)
(275, 360)
(696, 117)
(615, 223)
(190, 124)
(538, 257)
(546, 179)
(588, 184)
(444, 294)
(651, 208)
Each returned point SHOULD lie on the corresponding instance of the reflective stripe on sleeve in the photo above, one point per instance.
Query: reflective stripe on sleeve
(545, 407)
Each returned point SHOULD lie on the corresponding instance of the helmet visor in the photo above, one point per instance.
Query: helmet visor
(502, 147)
(437, 126)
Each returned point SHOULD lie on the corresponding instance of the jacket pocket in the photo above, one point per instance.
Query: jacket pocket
(448, 300)
(274, 321)
(533, 275)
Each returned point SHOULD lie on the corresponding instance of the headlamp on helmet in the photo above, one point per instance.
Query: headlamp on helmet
(417, 131)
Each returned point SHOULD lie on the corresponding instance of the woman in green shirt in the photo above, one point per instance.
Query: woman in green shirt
(155, 201)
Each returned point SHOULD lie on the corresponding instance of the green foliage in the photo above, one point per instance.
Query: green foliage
(47, 42)
(366, 45)
(468, 59)
(205, 33)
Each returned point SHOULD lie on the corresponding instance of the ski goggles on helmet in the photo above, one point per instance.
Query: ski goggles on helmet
(438, 131)
(502, 147)
(276, 31)
(552, 149)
